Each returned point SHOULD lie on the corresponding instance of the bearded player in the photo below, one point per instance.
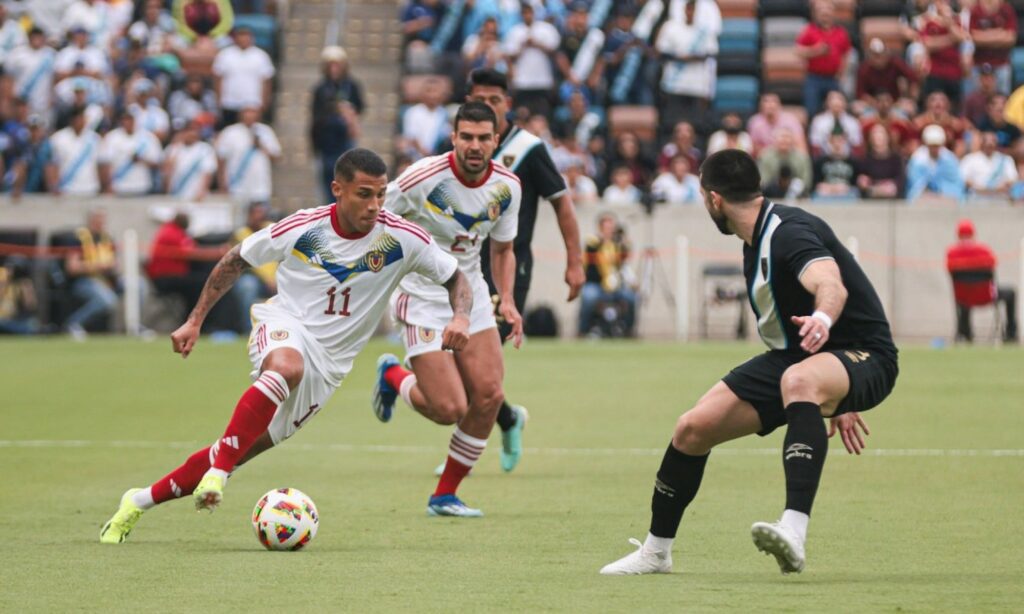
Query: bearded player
(461, 198)
(337, 266)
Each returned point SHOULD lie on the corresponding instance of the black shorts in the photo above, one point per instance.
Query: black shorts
(872, 377)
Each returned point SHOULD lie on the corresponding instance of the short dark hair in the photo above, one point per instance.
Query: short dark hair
(359, 160)
(475, 112)
(733, 174)
(487, 77)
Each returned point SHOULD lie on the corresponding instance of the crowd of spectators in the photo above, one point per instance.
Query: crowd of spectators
(929, 115)
(133, 98)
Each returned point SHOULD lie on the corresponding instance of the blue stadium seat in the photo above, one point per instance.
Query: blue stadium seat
(736, 93)
(1017, 62)
(264, 31)
(739, 35)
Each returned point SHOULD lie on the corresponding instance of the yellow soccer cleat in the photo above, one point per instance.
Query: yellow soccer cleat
(209, 492)
(121, 524)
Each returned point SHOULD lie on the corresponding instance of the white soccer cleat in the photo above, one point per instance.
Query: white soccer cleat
(642, 561)
(781, 542)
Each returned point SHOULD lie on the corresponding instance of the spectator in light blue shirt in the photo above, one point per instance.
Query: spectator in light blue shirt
(934, 168)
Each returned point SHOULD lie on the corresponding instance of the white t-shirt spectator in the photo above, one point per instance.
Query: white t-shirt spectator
(696, 78)
(151, 117)
(720, 140)
(532, 70)
(426, 126)
(981, 171)
(242, 73)
(11, 36)
(119, 149)
(92, 57)
(101, 19)
(614, 195)
(247, 168)
(668, 188)
(97, 91)
(154, 36)
(76, 157)
(583, 191)
(191, 165)
(823, 124)
(32, 71)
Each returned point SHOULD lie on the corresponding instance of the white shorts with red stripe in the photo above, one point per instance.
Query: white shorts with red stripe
(422, 321)
(313, 391)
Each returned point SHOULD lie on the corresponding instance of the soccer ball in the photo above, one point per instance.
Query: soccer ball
(285, 519)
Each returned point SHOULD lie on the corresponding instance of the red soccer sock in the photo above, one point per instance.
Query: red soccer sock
(252, 416)
(395, 375)
(183, 480)
(463, 452)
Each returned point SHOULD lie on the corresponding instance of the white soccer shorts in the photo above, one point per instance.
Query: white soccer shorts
(422, 321)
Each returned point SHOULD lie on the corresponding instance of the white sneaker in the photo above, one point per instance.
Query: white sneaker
(642, 561)
(782, 542)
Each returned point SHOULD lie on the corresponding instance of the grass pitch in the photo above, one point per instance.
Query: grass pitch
(930, 520)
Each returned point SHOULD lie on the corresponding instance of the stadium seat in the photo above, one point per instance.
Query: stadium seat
(736, 93)
(880, 8)
(782, 31)
(737, 8)
(264, 31)
(638, 119)
(739, 63)
(739, 35)
(886, 28)
(412, 87)
(790, 92)
(784, 8)
(845, 10)
(1017, 63)
(782, 64)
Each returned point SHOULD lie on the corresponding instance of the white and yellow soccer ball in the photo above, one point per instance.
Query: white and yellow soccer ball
(285, 519)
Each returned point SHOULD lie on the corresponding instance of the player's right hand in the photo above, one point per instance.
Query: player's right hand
(455, 335)
(184, 339)
(508, 311)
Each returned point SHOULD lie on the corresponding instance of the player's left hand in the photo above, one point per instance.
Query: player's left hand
(455, 335)
(574, 278)
(847, 425)
(508, 311)
(813, 331)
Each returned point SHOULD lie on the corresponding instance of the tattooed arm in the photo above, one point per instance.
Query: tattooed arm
(460, 295)
(224, 275)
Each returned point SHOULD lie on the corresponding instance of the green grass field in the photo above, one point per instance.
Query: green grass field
(939, 529)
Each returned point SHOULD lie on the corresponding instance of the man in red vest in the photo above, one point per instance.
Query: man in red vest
(971, 263)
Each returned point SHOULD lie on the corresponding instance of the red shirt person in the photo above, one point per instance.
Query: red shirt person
(993, 28)
(824, 45)
(170, 261)
(971, 264)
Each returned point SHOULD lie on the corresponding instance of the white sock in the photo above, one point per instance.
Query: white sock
(658, 544)
(144, 498)
(405, 389)
(796, 521)
(465, 449)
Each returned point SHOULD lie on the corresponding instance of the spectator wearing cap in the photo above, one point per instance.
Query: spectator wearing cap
(32, 70)
(933, 168)
(243, 74)
(902, 134)
(834, 119)
(976, 103)
(189, 165)
(937, 111)
(995, 122)
(941, 34)
(245, 151)
(529, 46)
(824, 45)
(74, 166)
(677, 185)
(764, 126)
(883, 72)
(988, 173)
(573, 35)
(968, 256)
(687, 49)
(193, 100)
(128, 158)
(337, 103)
(784, 153)
(12, 35)
(993, 29)
(148, 113)
(880, 172)
(79, 51)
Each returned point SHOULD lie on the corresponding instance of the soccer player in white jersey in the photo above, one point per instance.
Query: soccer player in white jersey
(462, 198)
(337, 266)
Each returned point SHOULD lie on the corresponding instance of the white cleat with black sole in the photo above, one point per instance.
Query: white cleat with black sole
(642, 561)
(782, 542)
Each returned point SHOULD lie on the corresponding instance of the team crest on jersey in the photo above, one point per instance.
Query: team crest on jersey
(493, 210)
(278, 335)
(374, 260)
(508, 159)
(427, 335)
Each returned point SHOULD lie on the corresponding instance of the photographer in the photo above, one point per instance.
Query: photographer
(604, 259)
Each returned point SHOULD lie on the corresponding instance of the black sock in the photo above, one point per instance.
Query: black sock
(803, 454)
(678, 480)
(506, 417)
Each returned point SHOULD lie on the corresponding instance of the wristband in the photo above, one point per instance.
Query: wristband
(824, 317)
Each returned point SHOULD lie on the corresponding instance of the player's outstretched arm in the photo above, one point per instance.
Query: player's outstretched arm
(223, 276)
(565, 211)
(822, 279)
(456, 334)
(503, 272)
